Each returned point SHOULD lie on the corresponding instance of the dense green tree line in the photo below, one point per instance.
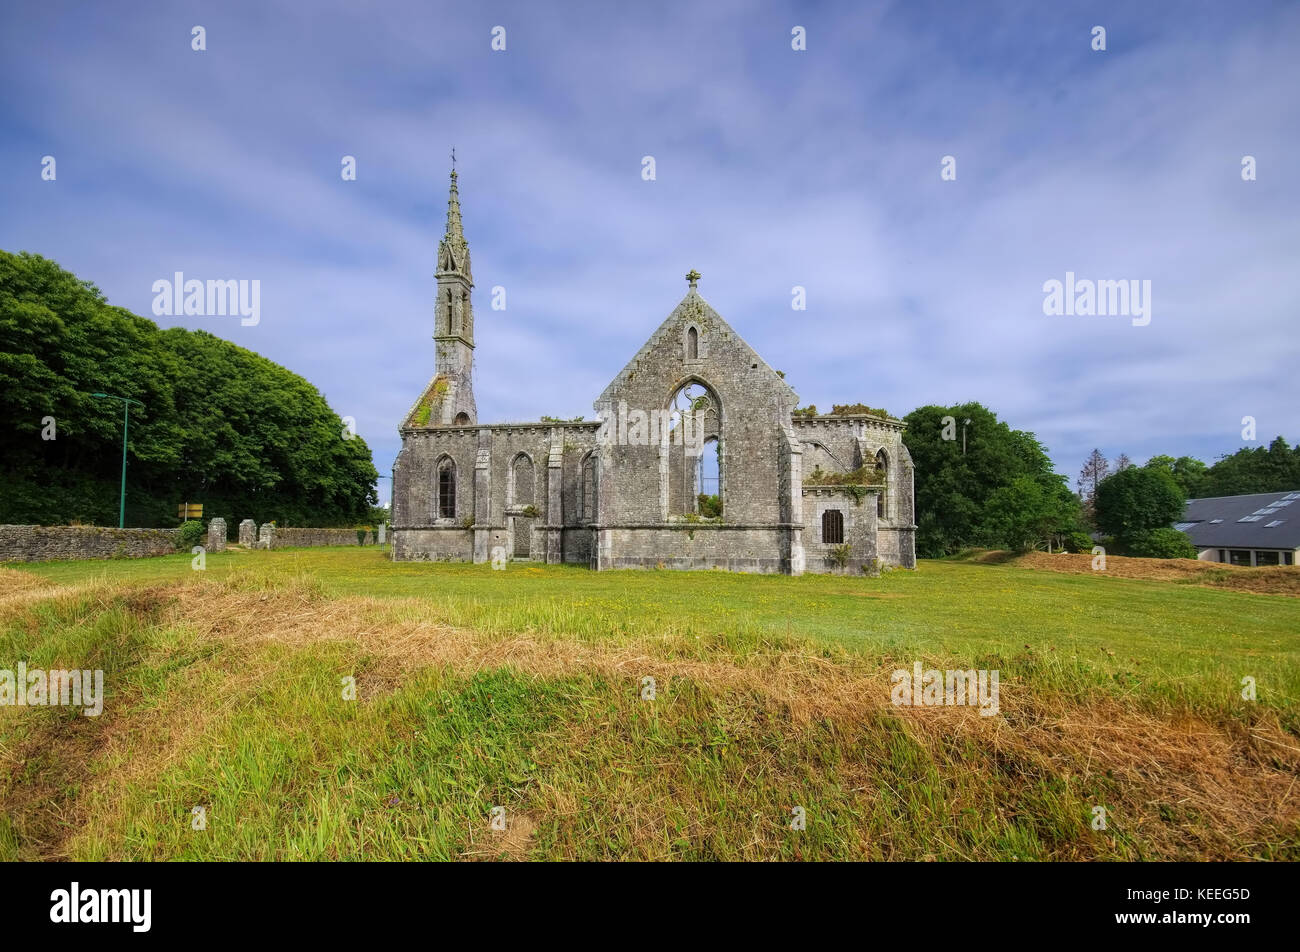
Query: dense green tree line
(1275, 468)
(221, 425)
(997, 490)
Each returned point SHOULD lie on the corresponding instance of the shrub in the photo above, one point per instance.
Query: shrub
(1161, 544)
(840, 554)
(1078, 542)
(191, 535)
(855, 409)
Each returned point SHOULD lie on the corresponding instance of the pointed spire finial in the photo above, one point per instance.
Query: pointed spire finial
(453, 208)
(453, 250)
(692, 277)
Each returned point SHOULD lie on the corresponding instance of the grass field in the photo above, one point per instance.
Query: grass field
(521, 689)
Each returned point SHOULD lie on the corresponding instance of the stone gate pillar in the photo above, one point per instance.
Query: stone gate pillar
(217, 535)
(248, 533)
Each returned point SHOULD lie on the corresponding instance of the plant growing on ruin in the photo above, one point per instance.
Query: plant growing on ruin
(710, 506)
(840, 554)
(857, 409)
(862, 476)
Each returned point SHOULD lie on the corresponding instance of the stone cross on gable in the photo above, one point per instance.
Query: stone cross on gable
(692, 277)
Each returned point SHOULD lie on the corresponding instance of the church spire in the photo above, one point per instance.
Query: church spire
(453, 250)
(453, 209)
(453, 320)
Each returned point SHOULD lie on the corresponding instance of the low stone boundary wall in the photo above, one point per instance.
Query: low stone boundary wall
(43, 543)
(282, 538)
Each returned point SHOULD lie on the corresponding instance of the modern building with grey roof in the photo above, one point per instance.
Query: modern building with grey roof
(1258, 529)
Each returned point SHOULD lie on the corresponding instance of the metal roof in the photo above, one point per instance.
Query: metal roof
(1255, 521)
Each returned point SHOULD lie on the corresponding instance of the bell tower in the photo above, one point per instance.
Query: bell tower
(453, 321)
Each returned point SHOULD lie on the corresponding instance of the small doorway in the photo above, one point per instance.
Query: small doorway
(521, 527)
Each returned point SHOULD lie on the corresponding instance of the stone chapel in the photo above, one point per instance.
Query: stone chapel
(696, 460)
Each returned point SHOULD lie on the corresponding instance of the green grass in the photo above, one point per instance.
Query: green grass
(1157, 638)
(259, 734)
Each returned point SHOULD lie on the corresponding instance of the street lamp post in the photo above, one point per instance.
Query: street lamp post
(126, 419)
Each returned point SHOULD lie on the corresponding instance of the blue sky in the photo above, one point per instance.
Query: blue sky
(775, 168)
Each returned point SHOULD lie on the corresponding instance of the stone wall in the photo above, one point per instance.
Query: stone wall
(701, 545)
(284, 538)
(861, 530)
(42, 543)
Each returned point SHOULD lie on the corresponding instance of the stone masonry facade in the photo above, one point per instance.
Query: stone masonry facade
(796, 493)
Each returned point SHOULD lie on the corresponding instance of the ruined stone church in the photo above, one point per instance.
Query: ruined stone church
(697, 459)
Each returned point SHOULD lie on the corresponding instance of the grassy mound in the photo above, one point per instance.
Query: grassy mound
(523, 690)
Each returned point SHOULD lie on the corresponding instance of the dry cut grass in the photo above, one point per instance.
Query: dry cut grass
(226, 695)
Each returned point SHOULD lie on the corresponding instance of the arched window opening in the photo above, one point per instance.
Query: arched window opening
(692, 344)
(587, 502)
(462, 418)
(832, 526)
(707, 484)
(882, 462)
(447, 489)
(693, 446)
(522, 473)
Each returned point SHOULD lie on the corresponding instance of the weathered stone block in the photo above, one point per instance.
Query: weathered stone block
(217, 535)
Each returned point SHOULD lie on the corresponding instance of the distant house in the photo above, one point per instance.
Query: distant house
(1259, 529)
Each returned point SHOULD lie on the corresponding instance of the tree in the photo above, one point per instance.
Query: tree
(1030, 512)
(1137, 500)
(954, 489)
(1187, 472)
(1095, 469)
(220, 425)
(1255, 470)
(1122, 462)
